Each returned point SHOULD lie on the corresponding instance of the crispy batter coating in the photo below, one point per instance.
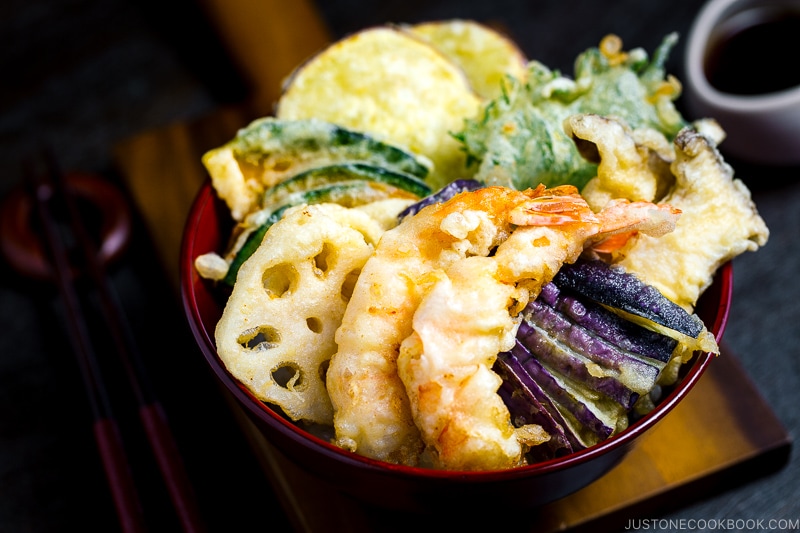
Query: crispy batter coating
(412, 379)
(486, 55)
(719, 221)
(276, 331)
(632, 164)
(385, 82)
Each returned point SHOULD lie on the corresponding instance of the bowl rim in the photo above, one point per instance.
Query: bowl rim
(188, 277)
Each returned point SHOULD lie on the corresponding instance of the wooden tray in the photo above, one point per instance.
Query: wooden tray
(722, 433)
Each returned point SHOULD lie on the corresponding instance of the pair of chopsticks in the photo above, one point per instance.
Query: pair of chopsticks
(49, 192)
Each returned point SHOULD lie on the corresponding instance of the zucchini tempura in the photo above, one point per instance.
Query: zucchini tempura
(412, 379)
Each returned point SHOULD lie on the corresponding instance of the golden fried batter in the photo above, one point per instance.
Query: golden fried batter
(433, 307)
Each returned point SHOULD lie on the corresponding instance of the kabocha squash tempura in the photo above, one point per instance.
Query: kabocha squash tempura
(430, 271)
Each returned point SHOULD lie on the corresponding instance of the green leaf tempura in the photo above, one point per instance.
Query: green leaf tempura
(518, 140)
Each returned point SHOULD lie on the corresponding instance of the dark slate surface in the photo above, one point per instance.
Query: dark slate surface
(83, 74)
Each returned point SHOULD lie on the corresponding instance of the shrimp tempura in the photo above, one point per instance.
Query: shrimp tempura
(412, 379)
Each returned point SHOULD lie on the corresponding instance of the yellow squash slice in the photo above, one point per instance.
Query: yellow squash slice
(387, 83)
(486, 55)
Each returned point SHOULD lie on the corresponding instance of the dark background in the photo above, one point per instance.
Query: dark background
(82, 75)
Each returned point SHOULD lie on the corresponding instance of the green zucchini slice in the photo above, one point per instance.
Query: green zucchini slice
(346, 193)
(345, 172)
(269, 151)
(268, 139)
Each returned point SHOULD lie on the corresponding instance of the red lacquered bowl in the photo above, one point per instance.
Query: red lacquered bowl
(414, 489)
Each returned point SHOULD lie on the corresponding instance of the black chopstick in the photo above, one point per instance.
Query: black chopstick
(151, 412)
(106, 431)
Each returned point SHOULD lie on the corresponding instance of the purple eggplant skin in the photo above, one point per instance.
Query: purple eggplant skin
(610, 326)
(442, 195)
(560, 358)
(527, 404)
(591, 429)
(585, 341)
(612, 286)
(560, 340)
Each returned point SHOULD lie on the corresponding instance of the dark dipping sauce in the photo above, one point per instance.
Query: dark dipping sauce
(755, 52)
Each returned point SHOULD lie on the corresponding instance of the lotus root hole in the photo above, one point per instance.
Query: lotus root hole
(322, 259)
(279, 279)
(314, 324)
(260, 338)
(349, 283)
(288, 375)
